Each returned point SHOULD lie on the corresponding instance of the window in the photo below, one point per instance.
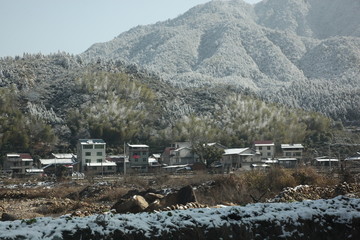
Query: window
(288, 154)
(144, 153)
(260, 148)
(136, 159)
(87, 160)
(87, 146)
(269, 154)
(268, 148)
(87, 153)
(109, 168)
(99, 160)
(144, 160)
(99, 146)
(27, 163)
(99, 154)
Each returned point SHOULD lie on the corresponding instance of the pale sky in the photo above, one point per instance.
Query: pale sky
(72, 26)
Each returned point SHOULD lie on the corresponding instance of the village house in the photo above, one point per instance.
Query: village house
(91, 155)
(235, 158)
(18, 163)
(179, 153)
(67, 160)
(352, 162)
(326, 162)
(138, 157)
(154, 162)
(183, 155)
(288, 162)
(119, 161)
(292, 150)
(266, 149)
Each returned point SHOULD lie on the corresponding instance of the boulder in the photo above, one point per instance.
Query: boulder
(8, 217)
(151, 197)
(183, 196)
(135, 204)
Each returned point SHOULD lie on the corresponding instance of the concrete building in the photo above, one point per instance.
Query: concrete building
(90, 151)
(18, 163)
(266, 149)
(292, 150)
(235, 158)
(138, 157)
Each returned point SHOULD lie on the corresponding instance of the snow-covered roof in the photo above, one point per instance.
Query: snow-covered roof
(157, 155)
(56, 161)
(287, 159)
(12, 155)
(91, 141)
(326, 160)
(176, 166)
(264, 143)
(103, 164)
(35, 170)
(24, 156)
(233, 151)
(260, 165)
(182, 148)
(269, 161)
(355, 158)
(138, 145)
(63, 155)
(291, 146)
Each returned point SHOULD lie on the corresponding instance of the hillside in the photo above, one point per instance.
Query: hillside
(49, 102)
(299, 53)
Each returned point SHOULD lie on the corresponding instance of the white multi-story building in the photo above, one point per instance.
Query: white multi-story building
(91, 152)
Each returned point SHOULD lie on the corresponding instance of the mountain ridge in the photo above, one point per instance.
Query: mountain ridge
(264, 47)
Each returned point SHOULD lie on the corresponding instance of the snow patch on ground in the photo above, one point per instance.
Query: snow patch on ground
(342, 209)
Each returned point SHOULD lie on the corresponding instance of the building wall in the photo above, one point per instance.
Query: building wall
(138, 157)
(294, 153)
(90, 151)
(266, 151)
(182, 156)
(16, 164)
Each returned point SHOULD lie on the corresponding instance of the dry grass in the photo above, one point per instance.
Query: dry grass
(254, 186)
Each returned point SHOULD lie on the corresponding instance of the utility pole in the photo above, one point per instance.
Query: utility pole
(124, 160)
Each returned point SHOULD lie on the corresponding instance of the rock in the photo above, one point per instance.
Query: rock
(133, 205)
(154, 206)
(151, 197)
(186, 195)
(183, 196)
(8, 217)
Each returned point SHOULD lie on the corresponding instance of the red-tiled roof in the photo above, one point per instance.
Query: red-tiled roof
(25, 156)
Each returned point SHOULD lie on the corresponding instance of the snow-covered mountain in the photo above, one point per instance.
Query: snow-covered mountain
(304, 53)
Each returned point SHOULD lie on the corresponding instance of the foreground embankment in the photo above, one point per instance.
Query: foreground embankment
(337, 218)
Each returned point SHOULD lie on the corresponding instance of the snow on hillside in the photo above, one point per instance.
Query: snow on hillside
(268, 48)
(330, 219)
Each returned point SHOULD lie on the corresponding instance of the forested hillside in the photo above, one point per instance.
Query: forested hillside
(302, 53)
(49, 102)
